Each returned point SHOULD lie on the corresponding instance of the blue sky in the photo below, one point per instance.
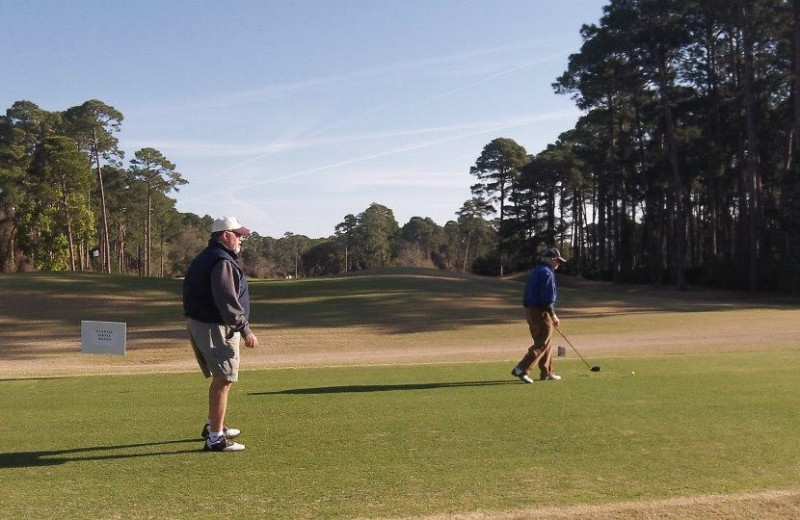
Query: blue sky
(292, 114)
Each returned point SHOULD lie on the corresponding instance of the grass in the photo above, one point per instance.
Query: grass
(385, 317)
(402, 441)
(399, 403)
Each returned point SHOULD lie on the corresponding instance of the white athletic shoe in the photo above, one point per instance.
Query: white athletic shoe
(552, 377)
(222, 444)
(230, 433)
(525, 378)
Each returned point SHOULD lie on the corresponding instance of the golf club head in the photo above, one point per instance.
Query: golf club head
(595, 369)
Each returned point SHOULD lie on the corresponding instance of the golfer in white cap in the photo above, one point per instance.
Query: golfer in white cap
(216, 301)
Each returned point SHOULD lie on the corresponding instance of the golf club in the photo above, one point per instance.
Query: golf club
(595, 368)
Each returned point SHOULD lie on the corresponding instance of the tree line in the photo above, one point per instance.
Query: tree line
(683, 169)
(68, 201)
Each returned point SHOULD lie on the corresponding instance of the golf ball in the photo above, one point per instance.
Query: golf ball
(633, 373)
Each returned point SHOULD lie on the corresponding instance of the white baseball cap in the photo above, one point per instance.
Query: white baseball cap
(229, 224)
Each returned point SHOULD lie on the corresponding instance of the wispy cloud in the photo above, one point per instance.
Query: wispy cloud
(255, 151)
(196, 148)
(474, 130)
(250, 155)
(491, 77)
(472, 63)
(435, 64)
(426, 177)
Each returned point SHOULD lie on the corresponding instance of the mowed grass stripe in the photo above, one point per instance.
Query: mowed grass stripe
(402, 441)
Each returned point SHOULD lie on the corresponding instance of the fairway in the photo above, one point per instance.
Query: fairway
(692, 416)
(383, 442)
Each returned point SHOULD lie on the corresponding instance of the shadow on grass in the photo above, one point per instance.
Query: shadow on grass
(50, 306)
(354, 389)
(26, 379)
(29, 459)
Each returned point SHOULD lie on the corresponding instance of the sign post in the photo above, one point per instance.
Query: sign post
(103, 337)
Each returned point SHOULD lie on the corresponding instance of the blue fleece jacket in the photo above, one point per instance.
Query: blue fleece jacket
(540, 289)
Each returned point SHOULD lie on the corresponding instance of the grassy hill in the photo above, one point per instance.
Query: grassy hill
(373, 317)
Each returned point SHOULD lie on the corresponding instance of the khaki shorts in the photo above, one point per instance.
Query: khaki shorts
(217, 355)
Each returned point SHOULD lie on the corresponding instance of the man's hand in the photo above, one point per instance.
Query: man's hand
(251, 341)
(555, 320)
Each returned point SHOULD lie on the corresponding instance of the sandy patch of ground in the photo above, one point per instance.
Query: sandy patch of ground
(767, 505)
(36, 353)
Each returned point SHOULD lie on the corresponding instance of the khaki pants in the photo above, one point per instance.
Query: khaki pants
(540, 324)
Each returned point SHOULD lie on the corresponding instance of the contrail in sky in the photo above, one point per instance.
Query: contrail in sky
(403, 149)
(442, 95)
(482, 129)
(423, 101)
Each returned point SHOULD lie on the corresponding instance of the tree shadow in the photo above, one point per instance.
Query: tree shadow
(28, 459)
(392, 303)
(26, 379)
(395, 301)
(355, 389)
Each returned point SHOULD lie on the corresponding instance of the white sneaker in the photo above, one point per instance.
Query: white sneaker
(222, 444)
(525, 378)
(552, 377)
(230, 433)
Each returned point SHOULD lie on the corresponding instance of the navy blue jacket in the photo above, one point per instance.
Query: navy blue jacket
(231, 306)
(540, 289)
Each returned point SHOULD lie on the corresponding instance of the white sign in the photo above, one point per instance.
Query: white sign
(103, 337)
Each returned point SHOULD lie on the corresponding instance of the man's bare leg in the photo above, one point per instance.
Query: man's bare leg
(218, 403)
